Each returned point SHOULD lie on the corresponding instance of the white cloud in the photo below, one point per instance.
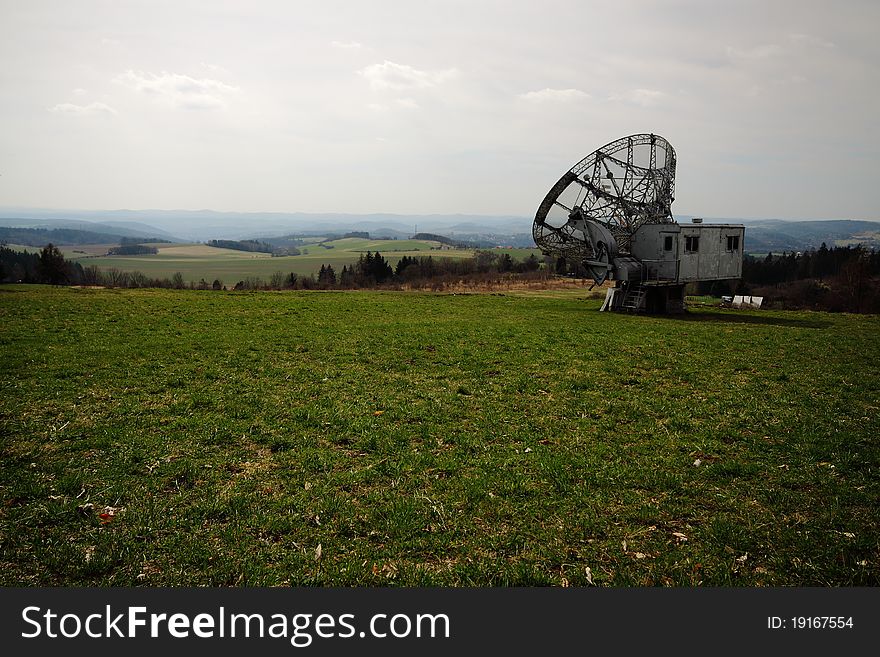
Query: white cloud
(296, 117)
(811, 40)
(389, 75)
(554, 95)
(82, 110)
(643, 97)
(79, 91)
(400, 103)
(177, 90)
(757, 52)
(214, 68)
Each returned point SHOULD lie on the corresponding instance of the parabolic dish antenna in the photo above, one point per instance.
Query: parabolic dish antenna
(590, 215)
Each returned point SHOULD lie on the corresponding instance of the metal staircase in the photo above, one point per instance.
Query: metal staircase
(633, 298)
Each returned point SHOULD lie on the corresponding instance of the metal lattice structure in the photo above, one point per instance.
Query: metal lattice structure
(591, 213)
(611, 215)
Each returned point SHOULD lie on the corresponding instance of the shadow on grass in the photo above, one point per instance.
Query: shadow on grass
(737, 318)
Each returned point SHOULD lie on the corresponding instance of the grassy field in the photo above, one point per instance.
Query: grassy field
(357, 438)
(197, 261)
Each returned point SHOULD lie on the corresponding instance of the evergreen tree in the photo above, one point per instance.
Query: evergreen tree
(326, 276)
(823, 261)
(505, 263)
(531, 263)
(402, 264)
(346, 277)
(381, 270)
(52, 267)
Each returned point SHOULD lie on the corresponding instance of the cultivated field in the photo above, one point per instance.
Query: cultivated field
(362, 438)
(197, 261)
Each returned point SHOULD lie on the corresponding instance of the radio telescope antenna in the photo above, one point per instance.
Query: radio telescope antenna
(611, 213)
(591, 213)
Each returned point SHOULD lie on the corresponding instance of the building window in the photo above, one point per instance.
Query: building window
(692, 243)
(733, 242)
(667, 243)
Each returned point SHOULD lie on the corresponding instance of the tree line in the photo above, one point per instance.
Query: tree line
(50, 266)
(837, 279)
(69, 236)
(818, 263)
(370, 271)
(253, 246)
(132, 249)
(47, 266)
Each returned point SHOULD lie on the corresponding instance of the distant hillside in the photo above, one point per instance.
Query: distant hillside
(285, 242)
(57, 236)
(480, 230)
(431, 237)
(117, 229)
(241, 245)
(776, 235)
(132, 249)
(201, 225)
(490, 240)
(137, 230)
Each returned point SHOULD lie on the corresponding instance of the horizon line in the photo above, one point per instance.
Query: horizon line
(7, 209)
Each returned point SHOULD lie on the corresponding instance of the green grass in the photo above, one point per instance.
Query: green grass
(704, 299)
(197, 262)
(426, 439)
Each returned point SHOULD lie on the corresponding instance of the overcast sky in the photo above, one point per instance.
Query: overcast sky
(434, 107)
